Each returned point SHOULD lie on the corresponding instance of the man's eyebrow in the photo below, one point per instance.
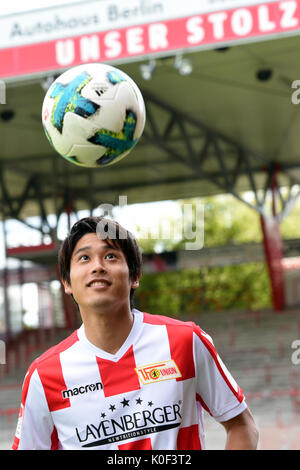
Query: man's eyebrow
(83, 248)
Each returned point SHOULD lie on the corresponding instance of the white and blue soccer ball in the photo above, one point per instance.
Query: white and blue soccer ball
(93, 114)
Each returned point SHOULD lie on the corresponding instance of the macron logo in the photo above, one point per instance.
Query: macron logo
(81, 390)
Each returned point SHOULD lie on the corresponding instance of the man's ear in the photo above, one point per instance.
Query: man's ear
(67, 287)
(136, 283)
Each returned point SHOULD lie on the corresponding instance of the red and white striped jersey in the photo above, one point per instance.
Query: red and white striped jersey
(149, 395)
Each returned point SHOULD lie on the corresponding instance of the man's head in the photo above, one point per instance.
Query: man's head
(89, 239)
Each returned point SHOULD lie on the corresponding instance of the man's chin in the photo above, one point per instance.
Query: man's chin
(103, 304)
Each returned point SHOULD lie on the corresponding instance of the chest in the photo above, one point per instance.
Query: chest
(111, 401)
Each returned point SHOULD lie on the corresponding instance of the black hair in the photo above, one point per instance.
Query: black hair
(113, 234)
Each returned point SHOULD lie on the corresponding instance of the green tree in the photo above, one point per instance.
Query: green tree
(226, 221)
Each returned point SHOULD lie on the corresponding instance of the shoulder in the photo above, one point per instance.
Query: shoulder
(151, 319)
(52, 353)
(175, 327)
(183, 330)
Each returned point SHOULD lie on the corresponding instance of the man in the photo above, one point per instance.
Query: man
(125, 379)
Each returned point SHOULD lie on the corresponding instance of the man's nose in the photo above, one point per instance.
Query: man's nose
(98, 266)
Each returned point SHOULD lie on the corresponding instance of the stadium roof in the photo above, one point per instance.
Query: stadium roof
(225, 127)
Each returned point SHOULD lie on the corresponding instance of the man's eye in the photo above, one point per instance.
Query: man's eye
(110, 255)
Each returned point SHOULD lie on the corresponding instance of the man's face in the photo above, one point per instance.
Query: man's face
(99, 275)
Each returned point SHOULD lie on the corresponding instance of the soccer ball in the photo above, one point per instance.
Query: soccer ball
(93, 115)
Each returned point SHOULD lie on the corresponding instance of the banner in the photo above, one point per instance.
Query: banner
(138, 40)
(56, 22)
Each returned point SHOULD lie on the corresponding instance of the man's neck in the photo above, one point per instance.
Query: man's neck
(108, 331)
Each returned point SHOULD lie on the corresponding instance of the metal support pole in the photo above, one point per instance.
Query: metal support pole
(273, 248)
(21, 283)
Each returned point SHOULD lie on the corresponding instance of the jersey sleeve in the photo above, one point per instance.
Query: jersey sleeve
(217, 391)
(35, 429)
